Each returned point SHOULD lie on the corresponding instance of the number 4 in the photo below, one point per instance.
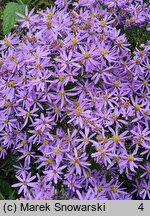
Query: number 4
(141, 207)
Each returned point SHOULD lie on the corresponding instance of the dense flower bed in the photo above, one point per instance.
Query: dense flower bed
(75, 102)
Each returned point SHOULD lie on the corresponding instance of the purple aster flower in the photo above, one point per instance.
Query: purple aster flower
(26, 19)
(77, 162)
(145, 191)
(43, 123)
(128, 161)
(146, 168)
(54, 173)
(25, 182)
(74, 101)
(3, 152)
(27, 114)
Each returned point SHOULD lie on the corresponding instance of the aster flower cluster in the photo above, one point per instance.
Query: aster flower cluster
(75, 102)
(129, 12)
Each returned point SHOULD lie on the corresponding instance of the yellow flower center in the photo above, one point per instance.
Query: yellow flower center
(24, 141)
(17, 131)
(120, 42)
(104, 51)
(99, 148)
(67, 61)
(67, 111)
(115, 138)
(128, 72)
(99, 188)
(27, 153)
(101, 15)
(38, 65)
(50, 160)
(86, 55)
(137, 106)
(34, 77)
(102, 154)
(45, 141)
(1, 148)
(23, 78)
(148, 67)
(74, 40)
(55, 137)
(130, 157)
(62, 93)
(36, 55)
(61, 78)
(27, 114)
(88, 174)
(85, 139)
(94, 100)
(114, 189)
(144, 95)
(103, 23)
(11, 57)
(78, 111)
(116, 158)
(68, 139)
(138, 61)
(11, 83)
(6, 121)
(106, 97)
(26, 18)
(116, 83)
(148, 170)
(145, 82)
(93, 14)
(57, 150)
(48, 23)
(105, 140)
(55, 110)
(50, 14)
(124, 63)
(76, 160)
(38, 132)
(145, 113)
(114, 117)
(42, 79)
(91, 31)
(6, 41)
(104, 117)
(8, 104)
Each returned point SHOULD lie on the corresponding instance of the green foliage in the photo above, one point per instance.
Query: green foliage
(41, 3)
(136, 36)
(9, 16)
(8, 11)
(7, 178)
(5, 1)
(5, 190)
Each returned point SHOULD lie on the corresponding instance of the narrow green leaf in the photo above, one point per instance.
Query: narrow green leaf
(20, 1)
(5, 189)
(1, 197)
(12, 195)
